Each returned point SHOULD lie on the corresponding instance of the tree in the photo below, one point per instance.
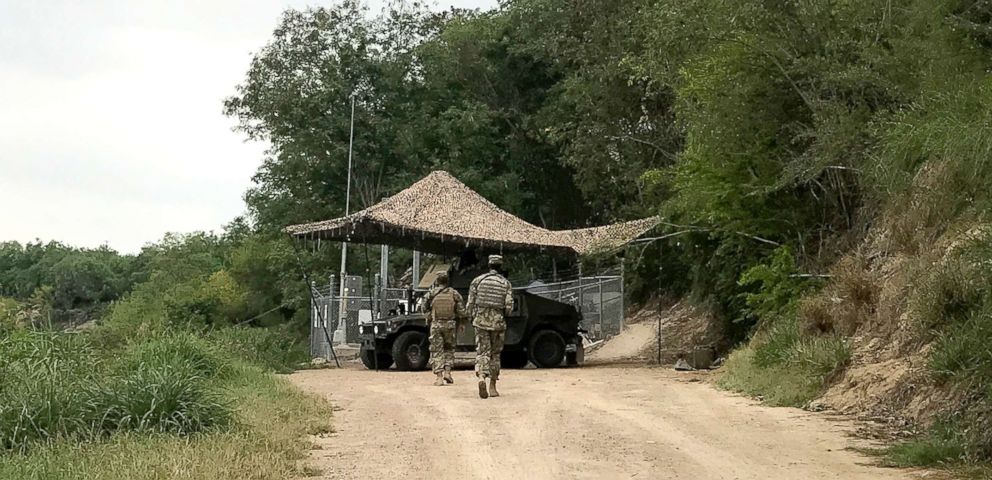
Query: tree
(297, 95)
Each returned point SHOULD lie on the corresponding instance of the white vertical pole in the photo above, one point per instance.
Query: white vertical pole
(383, 274)
(623, 302)
(416, 269)
(601, 309)
(342, 310)
(314, 319)
(384, 268)
(347, 195)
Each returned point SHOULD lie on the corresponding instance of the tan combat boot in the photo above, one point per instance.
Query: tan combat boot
(492, 388)
(439, 382)
(447, 375)
(482, 388)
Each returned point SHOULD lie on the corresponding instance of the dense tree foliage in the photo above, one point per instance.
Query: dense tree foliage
(58, 283)
(749, 126)
(771, 137)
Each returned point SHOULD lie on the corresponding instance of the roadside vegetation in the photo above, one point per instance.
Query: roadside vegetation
(822, 171)
(176, 405)
(164, 384)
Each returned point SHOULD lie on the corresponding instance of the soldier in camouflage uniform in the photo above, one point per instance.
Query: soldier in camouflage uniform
(444, 307)
(490, 297)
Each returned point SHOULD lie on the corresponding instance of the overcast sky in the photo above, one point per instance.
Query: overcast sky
(111, 129)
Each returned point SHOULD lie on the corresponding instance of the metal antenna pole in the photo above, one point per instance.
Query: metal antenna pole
(342, 307)
(347, 197)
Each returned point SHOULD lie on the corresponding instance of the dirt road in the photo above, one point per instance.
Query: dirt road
(591, 422)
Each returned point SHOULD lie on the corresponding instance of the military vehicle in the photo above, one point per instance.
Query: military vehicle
(539, 330)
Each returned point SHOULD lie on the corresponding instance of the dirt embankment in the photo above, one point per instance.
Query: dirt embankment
(574, 423)
(682, 327)
(870, 300)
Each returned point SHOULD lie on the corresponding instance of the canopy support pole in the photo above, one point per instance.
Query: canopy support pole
(416, 270)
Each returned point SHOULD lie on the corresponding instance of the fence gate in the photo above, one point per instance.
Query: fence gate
(599, 299)
(342, 315)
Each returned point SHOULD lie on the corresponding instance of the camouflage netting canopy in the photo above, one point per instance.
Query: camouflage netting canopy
(440, 214)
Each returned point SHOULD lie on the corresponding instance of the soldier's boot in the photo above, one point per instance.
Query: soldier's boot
(439, 382)
(447, 375)
(482, 388)
(492, 388)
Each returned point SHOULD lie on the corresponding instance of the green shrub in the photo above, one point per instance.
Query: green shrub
(277, 348)
(962, 351)
(42, 394)
(955, 301)
(943, 444)
(163, 385)
(265, 442)
(183, 349)
(784, 366)
(951, 292)
(165, 396)
(775, 285)
(9, 310)
(56, 386)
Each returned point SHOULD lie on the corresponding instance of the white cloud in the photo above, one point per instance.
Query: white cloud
(111, 128)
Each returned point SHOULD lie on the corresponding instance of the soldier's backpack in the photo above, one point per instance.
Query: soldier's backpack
(443, 305)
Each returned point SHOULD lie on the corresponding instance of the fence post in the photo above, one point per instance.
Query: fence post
(623, 301)
(600, 281)
(341, 332)
(383, 269)
(314, 318)
(376, 305)
(416, 270)
(581, 289)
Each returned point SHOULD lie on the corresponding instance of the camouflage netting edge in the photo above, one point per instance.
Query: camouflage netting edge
(439, 214)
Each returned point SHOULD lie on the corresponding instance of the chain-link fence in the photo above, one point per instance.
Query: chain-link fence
(337, 317)
(599, 299)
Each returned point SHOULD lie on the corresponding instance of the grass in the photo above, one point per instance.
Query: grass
(954, 301)
(174, 406)
(57, 386)
(265, 441)
(927, 451)
(783, 366)
(274, 348)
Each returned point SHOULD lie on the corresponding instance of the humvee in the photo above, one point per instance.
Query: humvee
(539, 330)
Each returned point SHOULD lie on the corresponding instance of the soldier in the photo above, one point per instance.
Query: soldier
(444, 306)
(490, 297)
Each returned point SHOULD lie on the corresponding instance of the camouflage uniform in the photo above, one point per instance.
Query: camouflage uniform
(488, 342)
(442, 332)
(489, 322)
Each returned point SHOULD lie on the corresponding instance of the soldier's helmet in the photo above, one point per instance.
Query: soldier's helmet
(495, 259)
(442, 278)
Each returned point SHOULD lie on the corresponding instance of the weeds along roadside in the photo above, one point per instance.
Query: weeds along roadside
(783, 364)
(177, 404)
(935, 291)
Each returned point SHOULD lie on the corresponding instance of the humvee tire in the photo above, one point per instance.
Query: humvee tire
(513, 359)
(385, 360)
(547, 349)
(410, 351)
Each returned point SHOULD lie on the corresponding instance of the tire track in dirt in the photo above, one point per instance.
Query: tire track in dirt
(594, 423)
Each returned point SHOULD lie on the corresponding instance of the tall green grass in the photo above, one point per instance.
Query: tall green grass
(784, 366)
(174, 405)
(783, 363)
(56, 386)
(276, 348)
(954, 302)
(265, 440)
